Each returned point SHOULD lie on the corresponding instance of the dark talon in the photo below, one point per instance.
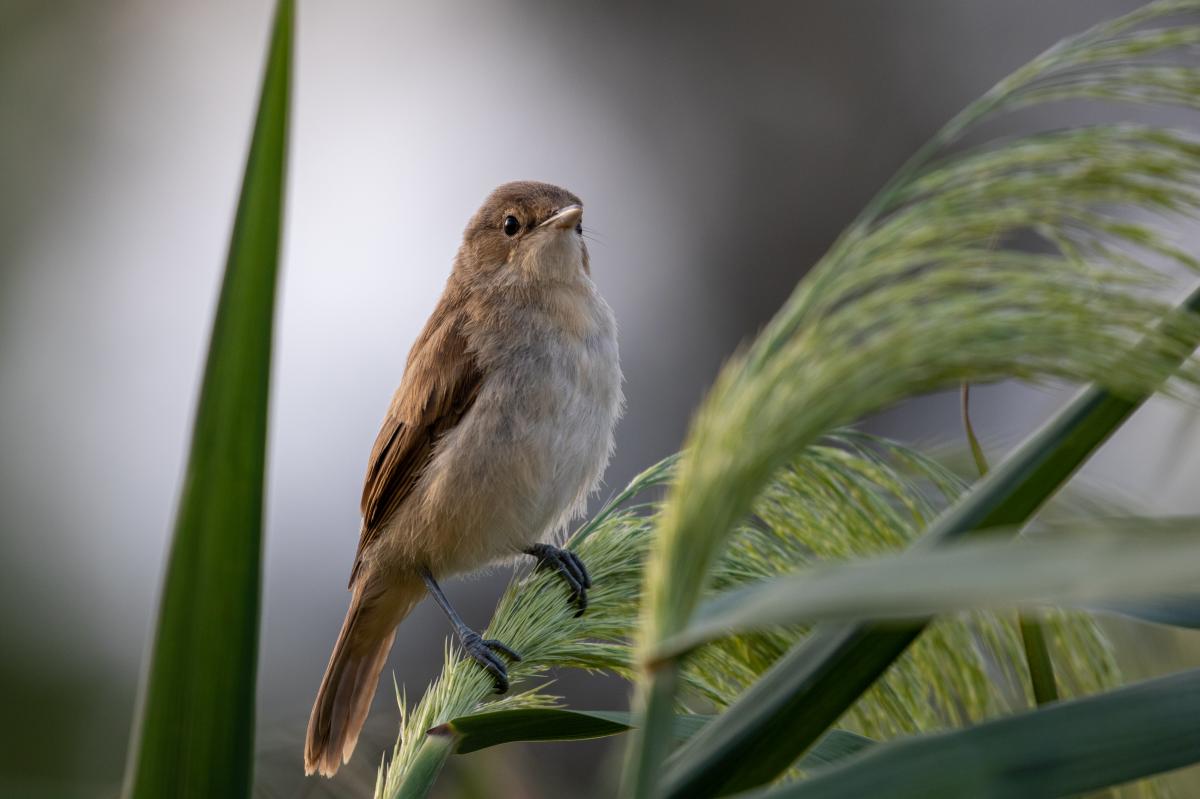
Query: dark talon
(571, 564)
(502, 648)
(474, 646)
(584, 577)
(481, 651)
(569, 567)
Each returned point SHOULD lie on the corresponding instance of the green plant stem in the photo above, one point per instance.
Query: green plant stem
(981, 464)
(1033, 638)
(421, 776)
(1037, 656)
(808, 689)
(641, 773)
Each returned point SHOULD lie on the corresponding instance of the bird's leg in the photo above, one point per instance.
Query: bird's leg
(569, 567)
(481, 650)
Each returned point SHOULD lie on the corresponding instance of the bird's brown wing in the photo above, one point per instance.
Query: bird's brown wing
(439, 386)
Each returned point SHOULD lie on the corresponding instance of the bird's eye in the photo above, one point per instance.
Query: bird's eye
(511, 226)
(579, 228)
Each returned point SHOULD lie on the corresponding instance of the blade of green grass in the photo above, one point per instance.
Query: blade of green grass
(1066, 749)
(834, 746)
(1037, 658)
(195, 731)
(981, 463)
(1173, 609)
(808, 689)
(1070, 571)
(482, 730)
(476, 731)
(491, 728)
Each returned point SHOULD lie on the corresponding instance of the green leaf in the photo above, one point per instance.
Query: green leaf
(834, 746)
(481, 730)
(1037, 660)
(472, 732)
(977, 454)
(195, 733)
(477, 731)
(808, 689)
(1065, 749)
(1174, 609)
(1070, 571)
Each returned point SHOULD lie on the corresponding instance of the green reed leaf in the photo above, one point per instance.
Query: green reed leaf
(195, 731)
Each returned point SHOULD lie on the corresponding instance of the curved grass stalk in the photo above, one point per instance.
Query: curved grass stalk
(849, 495)
(912, 299)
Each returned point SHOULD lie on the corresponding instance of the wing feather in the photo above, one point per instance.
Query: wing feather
(439, 387)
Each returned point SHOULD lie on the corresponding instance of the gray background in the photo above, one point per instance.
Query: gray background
(719, 148)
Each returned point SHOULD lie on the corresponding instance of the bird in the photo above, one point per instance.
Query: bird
(501, 428)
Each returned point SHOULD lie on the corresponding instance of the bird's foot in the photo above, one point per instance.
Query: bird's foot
(569, 567)
(486, 652)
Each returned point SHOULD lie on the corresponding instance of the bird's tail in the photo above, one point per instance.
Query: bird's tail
(352, 675)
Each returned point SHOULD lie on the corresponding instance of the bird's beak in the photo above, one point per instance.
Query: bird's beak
(564, 218)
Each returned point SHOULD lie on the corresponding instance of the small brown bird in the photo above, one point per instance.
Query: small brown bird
(501, 427)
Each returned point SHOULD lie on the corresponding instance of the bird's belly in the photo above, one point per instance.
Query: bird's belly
(521, 464)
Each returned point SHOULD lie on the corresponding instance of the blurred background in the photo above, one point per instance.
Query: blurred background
(719, 149)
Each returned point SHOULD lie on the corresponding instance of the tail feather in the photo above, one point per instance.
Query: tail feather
(350, 680)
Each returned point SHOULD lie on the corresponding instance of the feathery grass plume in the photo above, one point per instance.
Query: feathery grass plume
(912, 298)
(849, 495)
(535, 619)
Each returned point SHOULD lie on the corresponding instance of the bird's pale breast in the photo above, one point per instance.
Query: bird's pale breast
(522, 462)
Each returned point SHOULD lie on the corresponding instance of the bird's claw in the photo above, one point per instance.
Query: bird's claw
(569, 567)
(484, 652)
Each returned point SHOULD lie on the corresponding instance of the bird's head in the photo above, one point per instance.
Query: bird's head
(525, 232)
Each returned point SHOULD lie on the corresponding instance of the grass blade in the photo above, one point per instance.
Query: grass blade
(808, 689)
(195, 733)
(492, 728)
(1063, 750)
(1174, 609)
(834, 746)
(477, 731)
(1070, 571)
(977, 455)
(482, 730)
(1037, 658)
